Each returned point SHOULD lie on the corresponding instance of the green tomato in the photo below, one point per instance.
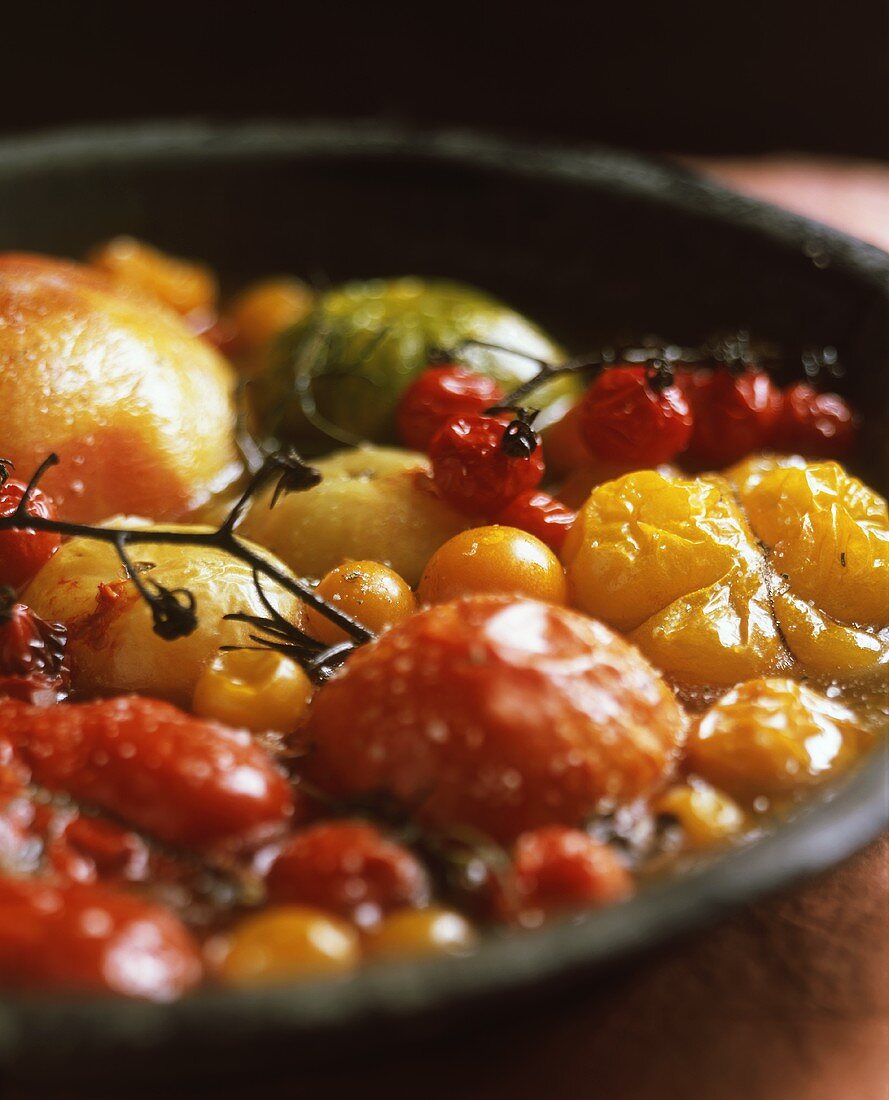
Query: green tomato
(336, 377)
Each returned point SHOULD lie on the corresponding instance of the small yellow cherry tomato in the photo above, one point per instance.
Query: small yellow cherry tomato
(267, 308)
(180, 284)
(772, 737)
(371, 593)
(287, 942)
(706, 815)
(493, 560)
(413, 933)
(253, 689)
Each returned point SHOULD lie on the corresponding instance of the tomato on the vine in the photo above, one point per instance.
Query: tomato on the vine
(540, 515)
(438, 395)
(734, 413)
(22, 553)
(815, 424)
(475, 469)
(32, 656)
(635, 415)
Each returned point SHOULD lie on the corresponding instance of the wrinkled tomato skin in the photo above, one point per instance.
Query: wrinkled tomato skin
(33, 664)
(22, 553)
(347, 868)
(473, 472)
(734, 414)
(623, 418)
(495, 713)
(181, 779)
(75, 936)
(440, 394)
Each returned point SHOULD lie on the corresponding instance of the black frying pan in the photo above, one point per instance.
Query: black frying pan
(587, 243)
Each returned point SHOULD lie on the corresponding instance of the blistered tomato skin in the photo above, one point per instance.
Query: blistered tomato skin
(496, 713)
(179, 778)
(139, 410)
(349, 868)
(472, 470)
(540, 515)
(33, 661)
(111, 639)
(625, 417)
(367, 591)
(673, 563)
(493, 560)
(76, 937)
(556, 870)
(770, 738)
(440, 394)
(734, 414)
(22, 553)
(287, 942)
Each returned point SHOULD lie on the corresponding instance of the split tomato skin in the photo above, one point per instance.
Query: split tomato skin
(22, 553)
(33, 662)
(472, 470)
(87, 938)
(627, 417)
(496, 713)
(438, 395)
(734, 414)
(181, 779)
(349, 868)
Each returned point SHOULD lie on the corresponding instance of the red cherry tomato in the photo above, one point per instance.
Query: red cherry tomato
(627, 416)
(472, 470)
(74, 936)
(182, 779)
(557, 869)
(814, 424)
(349, 868)
(32, 656)
(540, 515)
(441, 394)
(734, 413)
(22, 553)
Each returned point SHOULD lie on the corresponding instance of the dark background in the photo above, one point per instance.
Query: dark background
(693, 77)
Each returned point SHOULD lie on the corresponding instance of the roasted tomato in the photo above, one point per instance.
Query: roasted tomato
(70, 936)
(735, 413)
(111, 639)
(495, 713)
(374, 504)
(773, 737)
(816, 424)
(22, 553)
(139, 410)
(441, 394)
(182, 779)
(33, 658)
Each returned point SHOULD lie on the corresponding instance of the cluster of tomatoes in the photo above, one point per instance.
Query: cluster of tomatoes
(631, 416)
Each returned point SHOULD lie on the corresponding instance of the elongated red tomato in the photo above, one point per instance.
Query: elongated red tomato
(498, 713)
(182, 779)
(72, 936)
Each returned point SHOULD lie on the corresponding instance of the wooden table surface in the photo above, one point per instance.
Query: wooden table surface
(787, 1000)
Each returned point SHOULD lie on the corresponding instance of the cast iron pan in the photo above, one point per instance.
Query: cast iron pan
(586, 243)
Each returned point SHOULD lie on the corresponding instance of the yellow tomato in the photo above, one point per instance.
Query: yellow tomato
(373, 504)
(181, 284)
(707, 816)
(253, 689)
(138, 409)
(414, 933)
(372, 594)
(285, 943)
(111, 641)
(493, 560)
(828, 535)
(772, 737)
